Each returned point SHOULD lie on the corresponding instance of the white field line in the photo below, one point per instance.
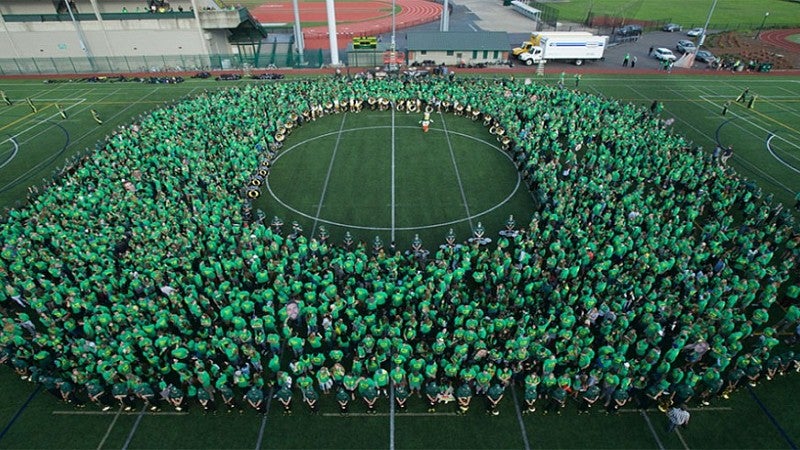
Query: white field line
(458, 174)
(328, 175)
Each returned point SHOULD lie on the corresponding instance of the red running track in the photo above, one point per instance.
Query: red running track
(353, 18)
(778, 38)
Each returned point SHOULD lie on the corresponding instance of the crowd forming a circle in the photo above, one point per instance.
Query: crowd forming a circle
(649, 269)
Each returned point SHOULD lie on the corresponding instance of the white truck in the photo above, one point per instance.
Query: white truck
(575, 48)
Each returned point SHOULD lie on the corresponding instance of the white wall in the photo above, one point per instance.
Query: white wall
(466, 56)
(121, 38)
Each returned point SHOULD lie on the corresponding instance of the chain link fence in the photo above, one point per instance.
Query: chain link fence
(156, 63)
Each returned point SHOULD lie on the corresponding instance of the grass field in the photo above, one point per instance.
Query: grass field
(690, 14)
(343, 165)
(408, 182)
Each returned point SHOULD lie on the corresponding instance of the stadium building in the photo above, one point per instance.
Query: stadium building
(124, 35)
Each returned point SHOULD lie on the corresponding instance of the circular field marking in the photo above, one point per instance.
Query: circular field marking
(13, 152)
(418, 227)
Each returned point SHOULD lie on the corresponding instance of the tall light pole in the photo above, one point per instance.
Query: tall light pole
(766, 14)
(705, 27)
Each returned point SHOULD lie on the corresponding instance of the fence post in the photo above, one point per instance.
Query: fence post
(127, 63)
(53, 61)
(36, 65)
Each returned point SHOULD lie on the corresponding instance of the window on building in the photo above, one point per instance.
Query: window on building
(423, 52)
(474, 54)
(450, 53)
(496, 54)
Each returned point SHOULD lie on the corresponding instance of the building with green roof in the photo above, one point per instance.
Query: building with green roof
(457, 47)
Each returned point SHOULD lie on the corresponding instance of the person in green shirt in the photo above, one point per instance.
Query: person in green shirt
(493, 397)
(255, 398)
(370, 397)
(176, 397)
(401, 394)
(284, 396)
(145, 392)
(205, 400)
(464, 397)
(343, 398)
(228, 398)
(588, 398)
(531, 395)
(96, 394)
(432, 395)
(119, 391)
(311, 397)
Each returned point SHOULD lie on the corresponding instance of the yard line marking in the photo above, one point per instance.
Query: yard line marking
(652, 430)
(133, 430)
(705, 408)
(393, 172)
(328, 175)
(387, 414)
(683, 441)
(771, 418)
(52, 116)
(519, 419)
(738, 158)
(66, 99)
(264, 420)
(391, 415)
(19, 411)
(109, 413)
(37, 167)
(110, 427)
(780, 160)
(458, 174)
(22, 118)
(758, 126)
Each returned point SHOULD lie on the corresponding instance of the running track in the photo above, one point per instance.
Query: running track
(778, 38)
(353, 18)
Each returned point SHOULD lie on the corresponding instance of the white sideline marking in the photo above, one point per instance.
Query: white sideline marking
(519, 419)
(458, 174)
(110, 427)
(683, 441)
(328, 175)
(652, 430)
(393, 169)
(391, 415)
(387, 414)
(135, 427)
(109, 413)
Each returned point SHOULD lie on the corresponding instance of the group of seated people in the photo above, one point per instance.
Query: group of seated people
(648, 272)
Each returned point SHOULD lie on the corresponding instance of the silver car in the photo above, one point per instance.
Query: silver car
(664, 54)
(685, 46)
(705, 56)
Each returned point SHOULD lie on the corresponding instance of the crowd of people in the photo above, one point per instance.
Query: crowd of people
(649, 271)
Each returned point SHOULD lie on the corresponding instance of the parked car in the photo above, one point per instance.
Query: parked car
(694, 32)
(629, 30)
(705, 56)
(664, 54)
(671, 27)
(685, 46)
